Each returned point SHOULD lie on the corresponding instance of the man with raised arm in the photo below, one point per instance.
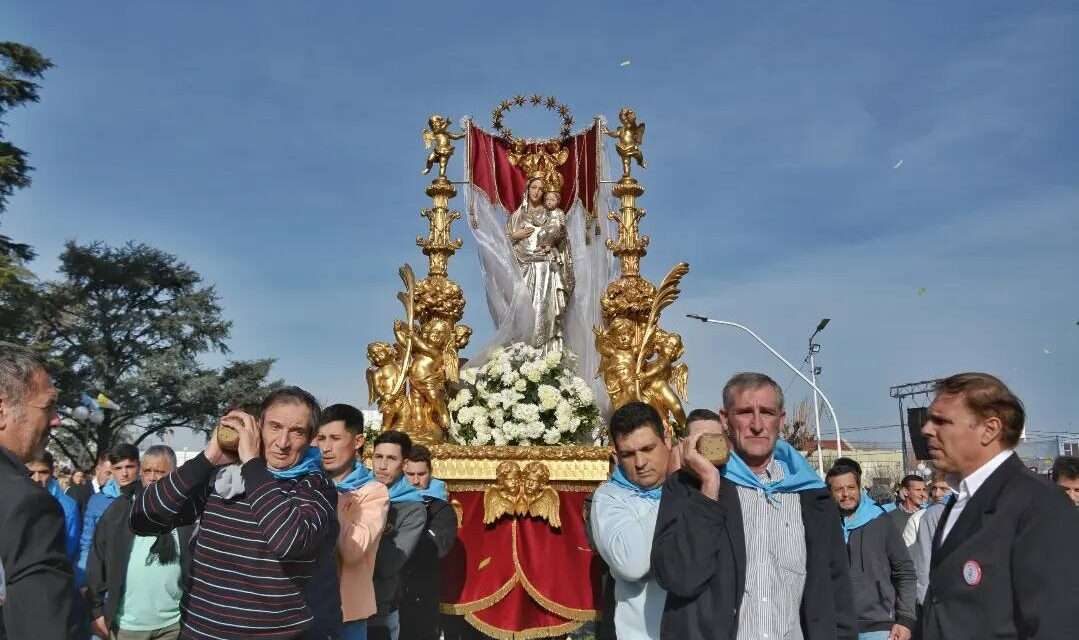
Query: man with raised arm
(266, 519)
(752, 549)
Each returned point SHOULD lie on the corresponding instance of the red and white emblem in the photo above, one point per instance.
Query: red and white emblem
(972, 573)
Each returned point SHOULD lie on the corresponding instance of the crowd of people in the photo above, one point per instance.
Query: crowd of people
(291, 535)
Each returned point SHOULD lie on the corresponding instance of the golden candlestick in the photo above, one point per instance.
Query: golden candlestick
(409, 379)
(638, 359)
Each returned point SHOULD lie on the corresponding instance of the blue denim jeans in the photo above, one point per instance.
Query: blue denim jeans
(388, 626)
(874, 635)
(355, 630)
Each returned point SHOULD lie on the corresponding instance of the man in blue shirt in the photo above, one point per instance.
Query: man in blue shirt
(41, 467)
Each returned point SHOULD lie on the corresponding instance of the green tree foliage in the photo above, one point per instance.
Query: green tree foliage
(20, 65)
(133, 322)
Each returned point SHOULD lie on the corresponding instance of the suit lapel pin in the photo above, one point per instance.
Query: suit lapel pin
(972, 573)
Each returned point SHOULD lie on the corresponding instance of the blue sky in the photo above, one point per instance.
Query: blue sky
(275, 147)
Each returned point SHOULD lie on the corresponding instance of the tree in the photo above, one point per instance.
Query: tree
(132, 322)
(795, 430)
(21, 66)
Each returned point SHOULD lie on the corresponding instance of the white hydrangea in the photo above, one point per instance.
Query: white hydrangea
(499, 438)
(510, 429)
(535, 373)
(585, 394)
(533, 430)
(552, 436)
(469, 376)
(520, 385)
(482, 437)
(497, 416)
(526, 412)
(466, 415)
(548, 397)
(553, 359)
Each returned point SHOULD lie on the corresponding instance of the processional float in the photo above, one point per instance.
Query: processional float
(517, 430)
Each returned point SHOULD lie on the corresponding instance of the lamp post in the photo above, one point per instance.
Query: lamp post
(813, 349)
(816, 389)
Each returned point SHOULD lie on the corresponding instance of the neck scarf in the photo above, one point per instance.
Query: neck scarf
(359, 476)
(866, 512)
(53, 487)
(619, 479)
(403, 491)
(111, 488)
(798, 476)
(437, 489)
(229, 482)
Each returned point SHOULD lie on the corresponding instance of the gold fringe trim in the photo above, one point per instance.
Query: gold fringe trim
(584, 615)
(527, 634)
(577, 616)
(483, 485)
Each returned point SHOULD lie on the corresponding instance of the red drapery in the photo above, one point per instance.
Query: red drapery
(504, 184)
(519, 578)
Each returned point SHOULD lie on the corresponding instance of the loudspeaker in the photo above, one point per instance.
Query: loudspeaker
(916, 419)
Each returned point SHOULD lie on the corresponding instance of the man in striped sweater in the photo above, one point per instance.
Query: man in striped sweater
(264, 525)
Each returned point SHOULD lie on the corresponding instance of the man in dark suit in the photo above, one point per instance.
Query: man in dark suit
(93, 484)
(995, 569)
(753, 549)
(38, 574)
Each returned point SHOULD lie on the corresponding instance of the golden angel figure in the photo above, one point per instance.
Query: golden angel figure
(618, 360)
(630, 136)
(663, 384)
(384, 384)
(502, 498)
(438, 138)
(430, 368)
(542, 501)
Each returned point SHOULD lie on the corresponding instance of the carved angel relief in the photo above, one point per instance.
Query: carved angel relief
(518, 494)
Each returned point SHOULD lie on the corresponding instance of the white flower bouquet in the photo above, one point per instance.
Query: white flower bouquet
(523, 397)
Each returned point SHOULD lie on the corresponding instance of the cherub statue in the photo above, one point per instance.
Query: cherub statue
(663, 385)
(551, 157)
(502, 498)
(519, 156)
(438, 138)
(542, 501)
(630, 136)
(618, 360)
(384, 384)
(427, 372)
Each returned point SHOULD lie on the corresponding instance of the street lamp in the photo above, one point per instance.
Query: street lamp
(816, 389)
(814, 348)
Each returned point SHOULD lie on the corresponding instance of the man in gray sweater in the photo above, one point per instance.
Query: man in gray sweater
(881, 571)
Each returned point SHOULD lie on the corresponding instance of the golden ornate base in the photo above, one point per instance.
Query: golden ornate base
(474, 468)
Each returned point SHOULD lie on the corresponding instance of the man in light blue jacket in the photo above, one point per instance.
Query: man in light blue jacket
(623, 518)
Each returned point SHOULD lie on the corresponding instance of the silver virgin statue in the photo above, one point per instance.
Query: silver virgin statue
(537, 231)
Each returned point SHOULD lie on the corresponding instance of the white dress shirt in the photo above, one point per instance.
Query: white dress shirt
(967, 486)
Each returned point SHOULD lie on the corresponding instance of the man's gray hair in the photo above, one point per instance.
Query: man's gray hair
(161, 451)
(17, 367)
(749, 380)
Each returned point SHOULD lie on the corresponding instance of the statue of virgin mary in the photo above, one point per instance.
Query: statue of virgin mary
(537, 232)
(545, 267)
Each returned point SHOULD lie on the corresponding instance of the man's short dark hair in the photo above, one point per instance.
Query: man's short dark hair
(632, 416)
(907, 479)
(123, 451)
(701, 414)
(420, 453)
(350, 415)
(843, 466)
(399, 438)
(43, 457)
(988, 397)
(1066, 467)
(293, 395)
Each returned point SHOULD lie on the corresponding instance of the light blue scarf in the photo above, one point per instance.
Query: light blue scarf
(359, 476)
(437, 489)
(619, 479)
(111, 488)
(309, 463)
(53, 487)
(866, 512)
(403, 491)
(798, 476)
(229, 482)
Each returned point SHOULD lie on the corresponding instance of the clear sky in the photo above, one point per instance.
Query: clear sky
(908, 169)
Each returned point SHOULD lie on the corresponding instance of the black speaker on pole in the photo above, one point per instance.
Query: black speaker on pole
(916, 419)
